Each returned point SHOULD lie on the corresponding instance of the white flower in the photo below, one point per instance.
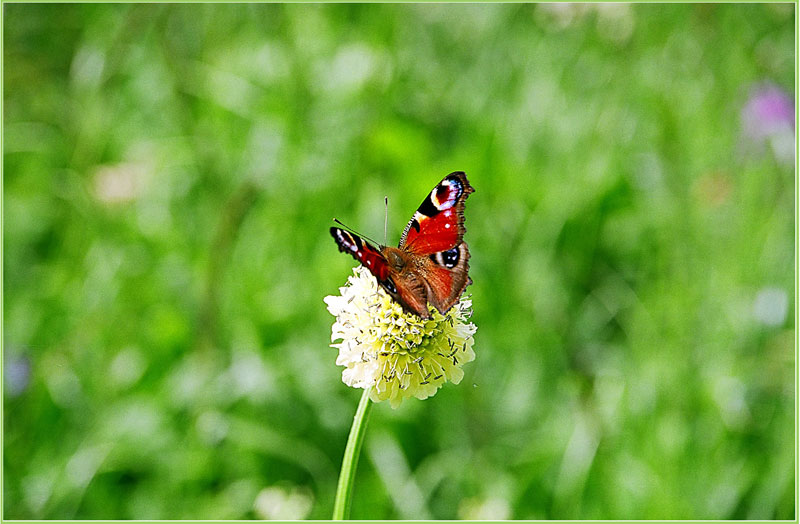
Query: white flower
(399, 354)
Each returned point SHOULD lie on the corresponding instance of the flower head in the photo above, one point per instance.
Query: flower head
(399, 354)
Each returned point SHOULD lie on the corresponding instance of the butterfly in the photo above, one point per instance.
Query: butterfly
(430, 263)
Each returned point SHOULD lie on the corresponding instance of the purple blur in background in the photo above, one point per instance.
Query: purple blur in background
(768, 117)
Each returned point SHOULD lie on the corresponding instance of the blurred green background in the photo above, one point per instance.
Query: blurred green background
(170, 173)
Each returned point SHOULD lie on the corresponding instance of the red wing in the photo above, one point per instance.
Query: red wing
(362, 251)
(438, 224)
(446, 276)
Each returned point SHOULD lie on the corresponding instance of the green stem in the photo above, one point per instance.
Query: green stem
(344, 491)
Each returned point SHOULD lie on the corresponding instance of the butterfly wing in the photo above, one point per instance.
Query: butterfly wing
(364, 252)
(434, 237)
(446, 276)
(409, 289)
(438, 223)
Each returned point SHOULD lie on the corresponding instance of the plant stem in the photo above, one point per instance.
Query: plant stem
(344, 491)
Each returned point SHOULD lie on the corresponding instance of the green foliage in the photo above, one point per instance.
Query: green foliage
(170, 172)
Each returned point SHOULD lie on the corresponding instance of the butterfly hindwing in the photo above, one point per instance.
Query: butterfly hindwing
(446, 275)
(410, 292)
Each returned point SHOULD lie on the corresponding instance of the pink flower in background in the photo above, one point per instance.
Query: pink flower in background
(768, 118)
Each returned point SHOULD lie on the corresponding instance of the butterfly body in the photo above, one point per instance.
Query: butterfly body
(430, 265)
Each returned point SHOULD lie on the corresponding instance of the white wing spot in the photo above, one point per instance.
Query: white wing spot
(353, 247)
(434, 199)
(447, 226)
(359, 253)
(369, 262)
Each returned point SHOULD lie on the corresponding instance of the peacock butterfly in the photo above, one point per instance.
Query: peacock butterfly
(431, 262)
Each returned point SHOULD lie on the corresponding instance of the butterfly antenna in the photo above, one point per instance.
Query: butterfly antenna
(385, 218)
(353, 231)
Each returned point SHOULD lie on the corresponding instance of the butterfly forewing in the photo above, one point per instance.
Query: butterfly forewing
(438, 223)
(363, 251)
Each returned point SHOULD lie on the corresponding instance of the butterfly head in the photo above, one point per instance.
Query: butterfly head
(395, 258)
